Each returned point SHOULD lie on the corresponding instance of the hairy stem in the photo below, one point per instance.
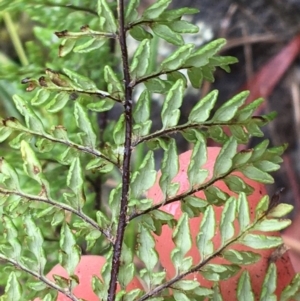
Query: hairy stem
(127, 156)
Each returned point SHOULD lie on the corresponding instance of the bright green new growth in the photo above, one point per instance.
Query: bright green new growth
(62, 148)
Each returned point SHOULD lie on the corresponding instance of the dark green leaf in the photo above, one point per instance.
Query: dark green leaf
(139, 33)
(237, 184)
(195, 76)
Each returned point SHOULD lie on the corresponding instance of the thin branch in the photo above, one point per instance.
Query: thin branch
(42, 278)
(182, 127)
(68, 143)
(182, 195)
(62, 206)
(157, 74)
(127, 156)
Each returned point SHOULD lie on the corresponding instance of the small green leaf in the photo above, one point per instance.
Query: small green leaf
(228, 110)
(195, 76)
(170, 111)
(244, 289)
(107, 18)
(141, 111)
(70, 255)
(119, 131)
(101, 106)
(83, 122)
(243, 212)
(81, 81)
(175, 14)
(13, 288)
(202, 109)
(227, 219)
(10, 176)
(146, 248)
(156, 9)
(196, 175)
(139, 33)
(291, 290)
(254, 173)
(90, 45)
(165, 32)
(241, 257)
(144, 177)
(169, 167)
(280, 210)
(75, 182)
(141, 59)
(182, 26)
(237, 184)
(206, 234)
(66, 46)
(41, 96)
(178, 58)
(267, 225)
(114, 86)
(182, 236)
(11, 236)
(201, 56)
(131, 13)
(35, 242)
(256, 241)
(58, 102)
(223, 162)
(33, 122)
(269, 284)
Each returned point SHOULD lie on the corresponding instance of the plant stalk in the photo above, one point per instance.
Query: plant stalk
(117, 249)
